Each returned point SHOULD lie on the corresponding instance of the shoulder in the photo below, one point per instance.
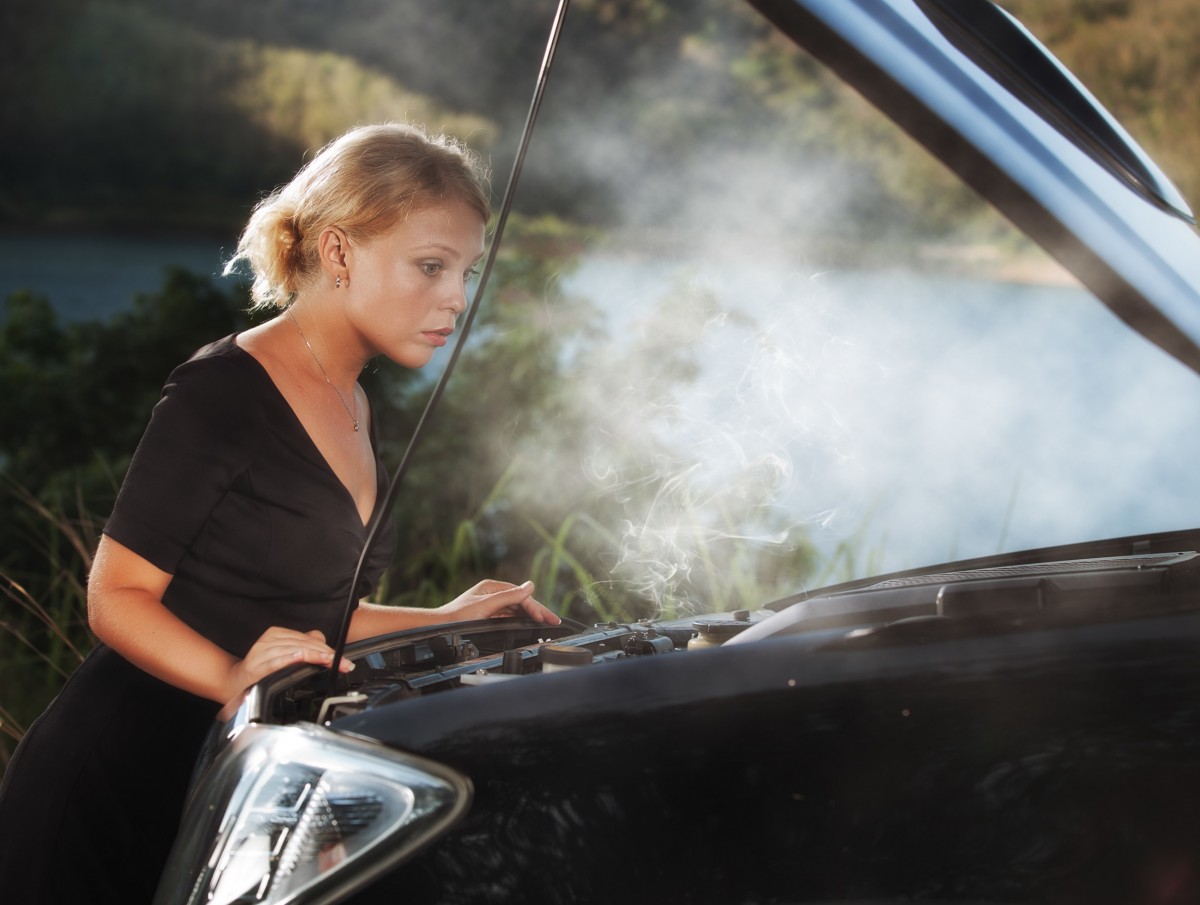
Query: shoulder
(219, 363)
(221, 374)
(204, 431)
(221, 390)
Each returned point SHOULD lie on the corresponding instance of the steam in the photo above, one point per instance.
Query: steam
(915, 419)
(752, 402)
(707, 420)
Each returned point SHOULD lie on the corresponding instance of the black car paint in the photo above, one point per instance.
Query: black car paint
(1033, 757)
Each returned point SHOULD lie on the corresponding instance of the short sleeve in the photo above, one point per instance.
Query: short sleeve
(200, 436)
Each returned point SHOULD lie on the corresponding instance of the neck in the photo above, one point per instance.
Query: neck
(338, 363)
(348, 398)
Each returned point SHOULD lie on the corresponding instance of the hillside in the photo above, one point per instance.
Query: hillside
(173, 114)
(132, 120)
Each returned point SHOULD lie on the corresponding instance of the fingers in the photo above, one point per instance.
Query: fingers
(536, 610)
(513, 599)
(280, 647)
(492, 599)
(539, 612)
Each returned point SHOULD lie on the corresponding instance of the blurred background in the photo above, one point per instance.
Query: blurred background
(710, 231)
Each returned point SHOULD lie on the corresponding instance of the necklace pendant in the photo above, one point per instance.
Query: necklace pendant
(353, 413)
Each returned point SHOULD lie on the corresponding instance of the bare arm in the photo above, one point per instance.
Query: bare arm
(488, 599)
(125, 611)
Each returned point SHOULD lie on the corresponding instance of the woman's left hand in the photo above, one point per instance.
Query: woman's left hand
(491, 599)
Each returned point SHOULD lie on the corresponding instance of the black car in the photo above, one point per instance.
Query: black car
(1019, 723)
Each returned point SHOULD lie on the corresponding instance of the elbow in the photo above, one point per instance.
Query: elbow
(100, 603)
(120, 586)
(97, 619)
(96, 592)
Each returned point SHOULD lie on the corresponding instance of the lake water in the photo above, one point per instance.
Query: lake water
(89, 277)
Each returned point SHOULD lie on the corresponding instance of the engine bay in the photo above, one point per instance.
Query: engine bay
(914, 609)
(428, 661)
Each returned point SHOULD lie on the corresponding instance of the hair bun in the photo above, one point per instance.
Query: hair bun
(289, 233)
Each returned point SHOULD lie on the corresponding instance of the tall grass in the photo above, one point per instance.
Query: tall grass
(558, 564)
(43, 613)
(43, 610)
(575, 562)
(562, 576)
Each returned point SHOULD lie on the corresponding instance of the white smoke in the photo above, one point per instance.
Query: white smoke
(707, 459)
(929, 418)
(912, 416)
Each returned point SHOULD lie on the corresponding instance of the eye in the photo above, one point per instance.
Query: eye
(431, 268)
(470, 274)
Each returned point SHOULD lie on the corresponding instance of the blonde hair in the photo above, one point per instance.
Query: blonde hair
(363, 182)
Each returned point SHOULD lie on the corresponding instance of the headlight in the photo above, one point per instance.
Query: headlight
(299, 814)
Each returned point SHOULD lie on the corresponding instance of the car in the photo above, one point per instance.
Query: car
(1009, 726)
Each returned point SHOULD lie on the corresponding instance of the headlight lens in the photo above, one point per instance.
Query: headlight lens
(301, 814)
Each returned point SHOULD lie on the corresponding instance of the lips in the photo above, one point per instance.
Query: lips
(438, 337)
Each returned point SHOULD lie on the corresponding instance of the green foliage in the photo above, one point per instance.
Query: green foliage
(181, 128)
(72, 395)
(188, 110)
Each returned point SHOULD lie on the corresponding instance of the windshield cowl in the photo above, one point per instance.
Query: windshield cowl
(1127, 577)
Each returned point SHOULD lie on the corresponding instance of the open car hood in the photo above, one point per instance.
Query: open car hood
(971, 84)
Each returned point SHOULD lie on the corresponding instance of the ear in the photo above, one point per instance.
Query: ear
(332, 249)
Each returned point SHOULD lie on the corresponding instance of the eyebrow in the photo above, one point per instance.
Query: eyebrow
(447, 248)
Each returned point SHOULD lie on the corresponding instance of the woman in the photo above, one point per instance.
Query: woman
(234, 538)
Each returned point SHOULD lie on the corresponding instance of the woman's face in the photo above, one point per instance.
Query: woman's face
(408, 286)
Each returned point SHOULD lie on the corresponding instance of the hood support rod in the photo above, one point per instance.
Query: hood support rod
(383, 511)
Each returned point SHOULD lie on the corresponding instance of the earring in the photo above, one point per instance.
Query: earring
(338, 283)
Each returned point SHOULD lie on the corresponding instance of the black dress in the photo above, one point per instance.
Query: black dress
(228, 493)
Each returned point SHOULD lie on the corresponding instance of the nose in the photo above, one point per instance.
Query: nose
(457, 301)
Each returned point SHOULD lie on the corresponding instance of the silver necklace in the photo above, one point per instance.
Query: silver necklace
(353, 414)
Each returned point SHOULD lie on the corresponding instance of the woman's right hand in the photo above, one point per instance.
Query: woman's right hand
(126, 612)
(276, 648)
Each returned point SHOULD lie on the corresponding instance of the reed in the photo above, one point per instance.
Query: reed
(43, 609)
(573, 563)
